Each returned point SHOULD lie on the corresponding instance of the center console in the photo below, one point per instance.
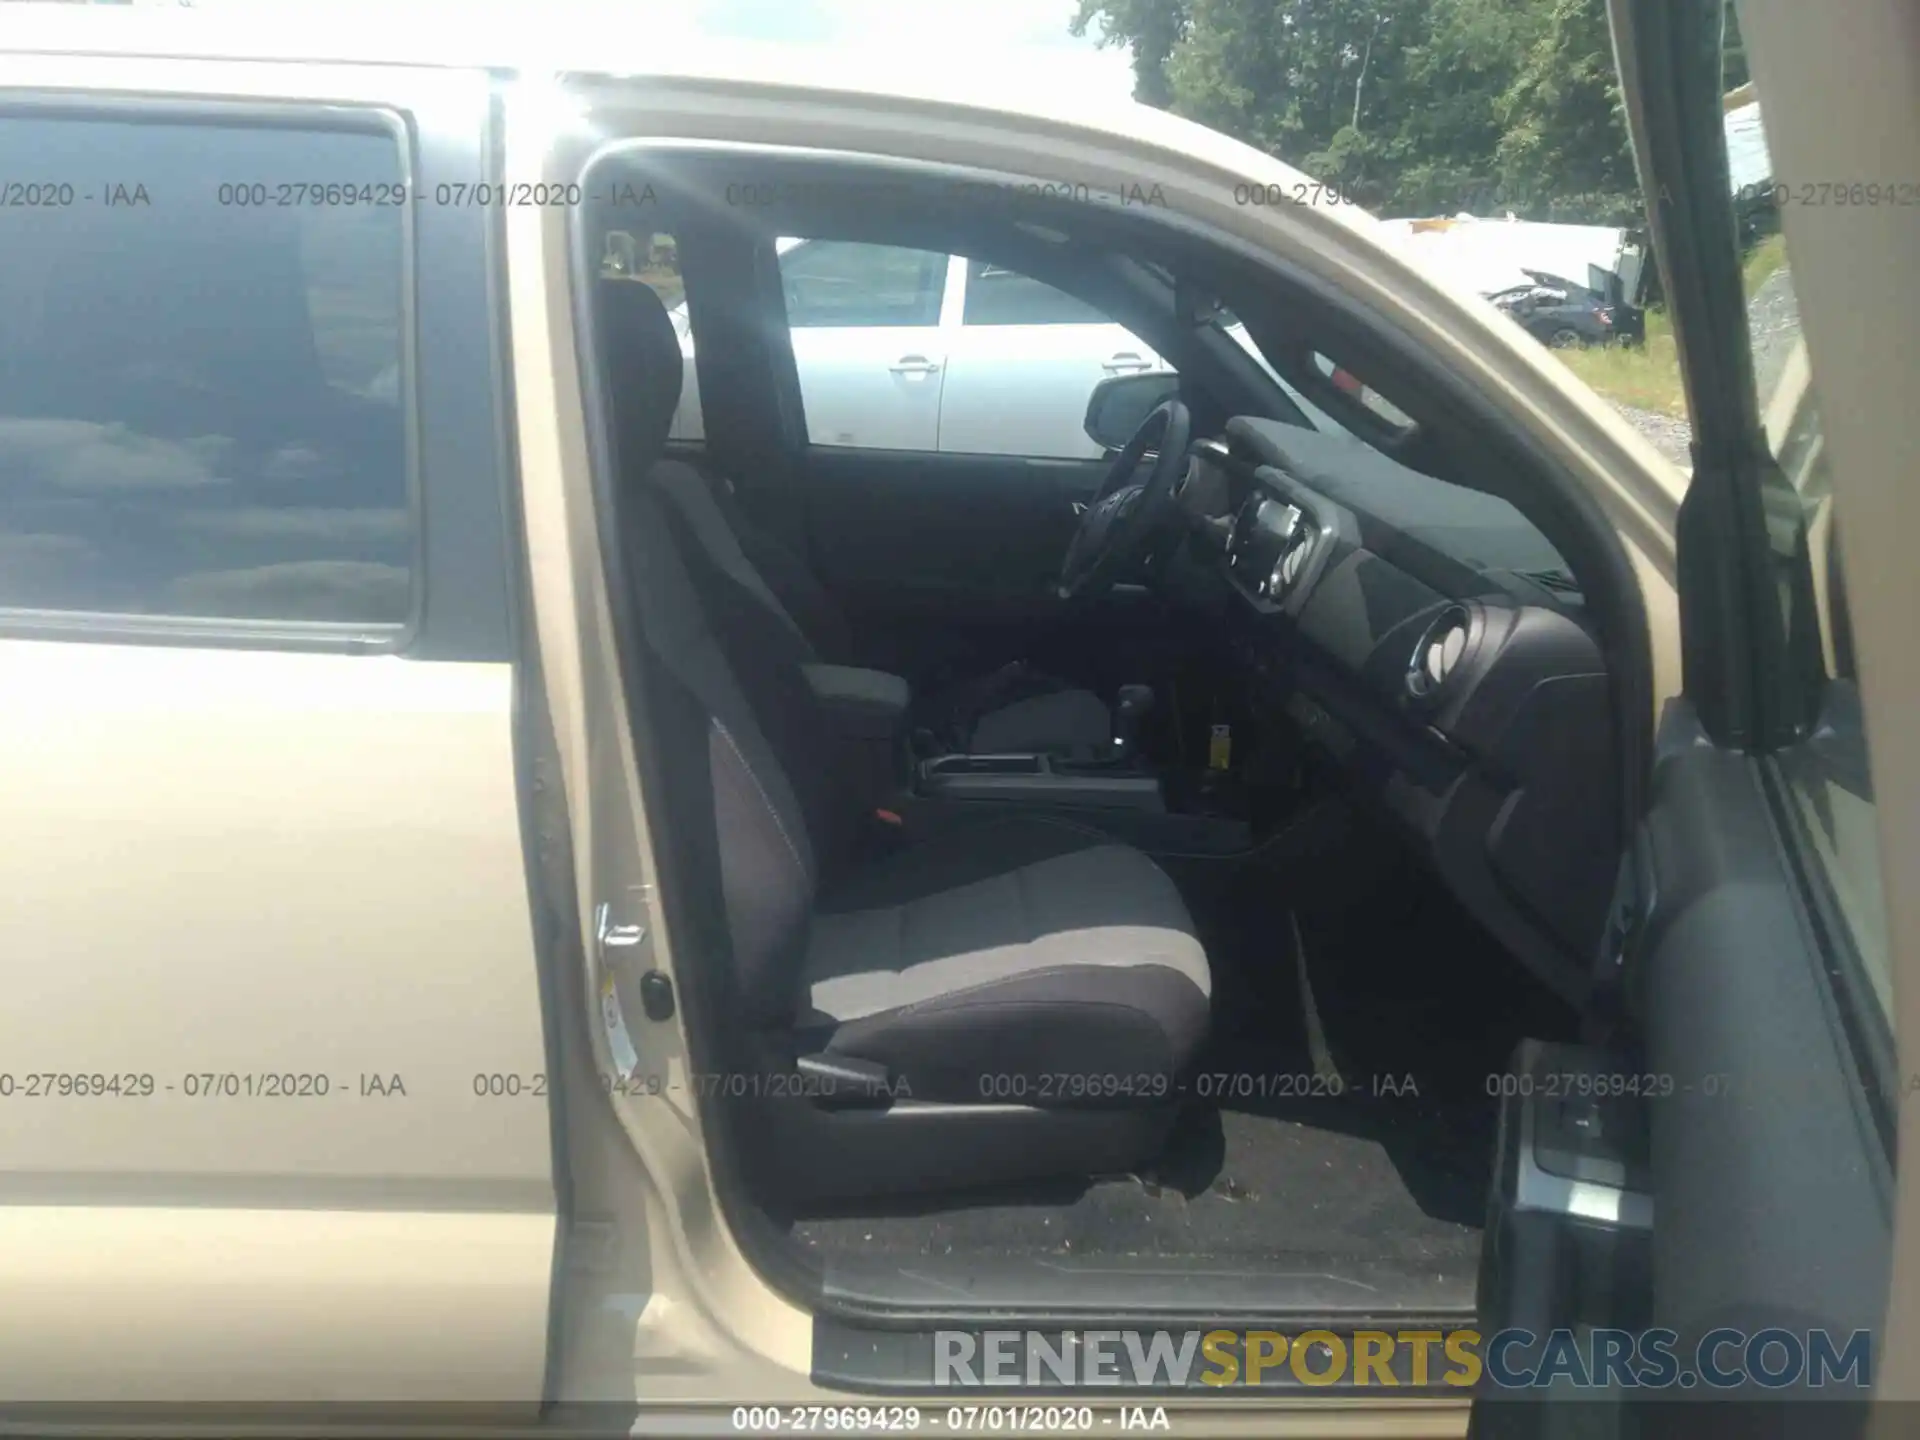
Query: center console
(864, 712)
(1046, 780)
(1116, 791)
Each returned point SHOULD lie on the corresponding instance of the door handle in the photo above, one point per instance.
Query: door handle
(914, 365)
(1079, 508)
(1127, 362)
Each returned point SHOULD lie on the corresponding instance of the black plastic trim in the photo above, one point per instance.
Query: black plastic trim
(1426, 756)
(1735, 650)
(875, 1359)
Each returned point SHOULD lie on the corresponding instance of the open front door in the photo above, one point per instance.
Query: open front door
(1714, 1182)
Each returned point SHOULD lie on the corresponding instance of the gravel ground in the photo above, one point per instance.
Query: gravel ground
(1773, 324)
(1669, 434)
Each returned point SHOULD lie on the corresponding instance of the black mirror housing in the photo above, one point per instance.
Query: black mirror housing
(1120, 405)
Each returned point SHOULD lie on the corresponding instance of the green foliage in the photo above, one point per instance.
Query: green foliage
(1565, 155)
(1645, 377)
(1412, 106)
(1153, 27)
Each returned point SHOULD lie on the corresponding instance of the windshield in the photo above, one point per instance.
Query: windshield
(1322, 421)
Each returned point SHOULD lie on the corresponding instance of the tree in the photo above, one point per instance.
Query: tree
(1565, 155)
(1152, 27)
(1417, 106)
(1450, 127)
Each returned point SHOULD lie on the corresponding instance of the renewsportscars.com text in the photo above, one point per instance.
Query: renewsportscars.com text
(1452, 1359)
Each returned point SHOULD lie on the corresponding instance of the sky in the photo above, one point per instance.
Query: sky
(1007, 44)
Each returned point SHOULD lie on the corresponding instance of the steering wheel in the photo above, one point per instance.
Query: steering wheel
(1125, 514)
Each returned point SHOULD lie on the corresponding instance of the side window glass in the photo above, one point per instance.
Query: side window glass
(998, 296)
(1032, 394)
(844, 283)
(1828, 776)
(202, 377)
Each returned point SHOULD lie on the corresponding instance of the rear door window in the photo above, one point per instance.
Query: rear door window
(202, 372)
(999, 296)
(846, 283)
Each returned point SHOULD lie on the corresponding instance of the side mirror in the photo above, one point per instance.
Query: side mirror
(1120, 406)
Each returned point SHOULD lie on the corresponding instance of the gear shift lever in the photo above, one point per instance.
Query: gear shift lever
(1131, 706)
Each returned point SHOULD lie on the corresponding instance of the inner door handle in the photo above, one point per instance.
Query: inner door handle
(1125, 363)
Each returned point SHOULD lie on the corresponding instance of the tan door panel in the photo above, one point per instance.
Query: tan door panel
(277, 903)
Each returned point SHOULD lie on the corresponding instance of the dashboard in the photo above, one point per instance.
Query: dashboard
(1430, 639)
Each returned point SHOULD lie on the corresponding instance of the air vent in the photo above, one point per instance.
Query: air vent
(1245, 527)
(1294, 563)
(1441, 648)
(1291, 565)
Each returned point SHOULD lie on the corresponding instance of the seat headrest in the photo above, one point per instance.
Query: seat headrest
(644, 371)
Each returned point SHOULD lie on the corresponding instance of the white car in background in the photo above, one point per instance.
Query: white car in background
(903, 349)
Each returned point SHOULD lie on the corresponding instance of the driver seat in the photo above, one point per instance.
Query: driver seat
(1010, 711)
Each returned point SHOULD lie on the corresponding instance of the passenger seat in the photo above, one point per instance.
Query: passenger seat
(1000, 1001)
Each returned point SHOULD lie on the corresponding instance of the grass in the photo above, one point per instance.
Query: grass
(1761, 262)
(1648, 378)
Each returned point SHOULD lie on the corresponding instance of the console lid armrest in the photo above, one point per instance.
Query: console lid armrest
(866, 704)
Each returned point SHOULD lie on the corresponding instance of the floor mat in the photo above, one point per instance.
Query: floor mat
(1278, 1190)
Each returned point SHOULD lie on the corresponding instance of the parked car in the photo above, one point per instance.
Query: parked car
(512, 922)
(902, 349)
(1564, 316)
(906, 349)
